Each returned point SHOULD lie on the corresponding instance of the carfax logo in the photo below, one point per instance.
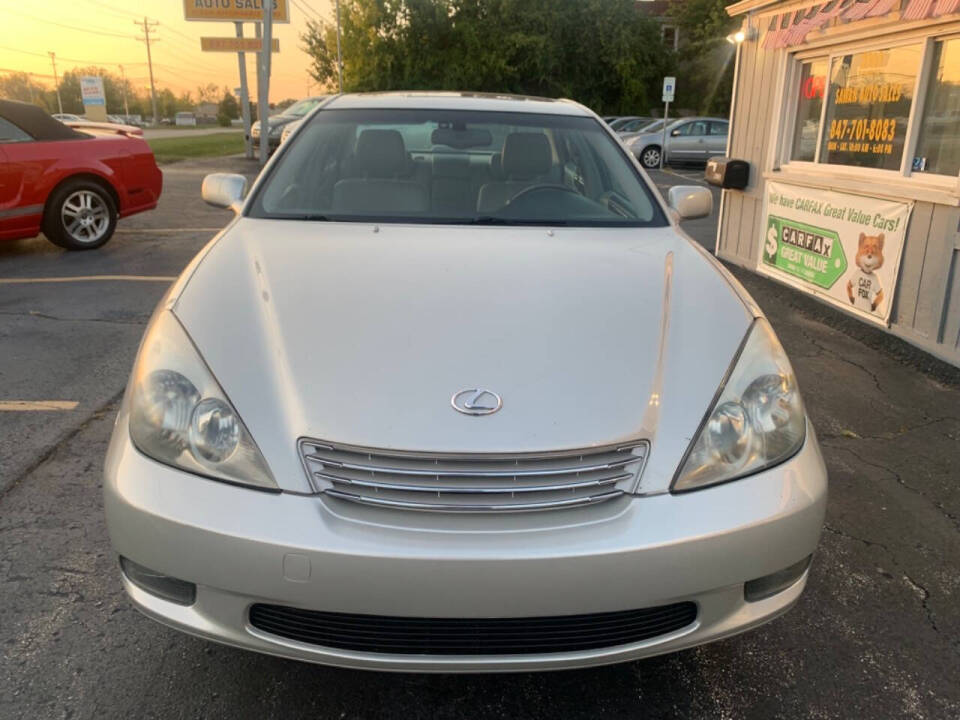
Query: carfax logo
(811, 253)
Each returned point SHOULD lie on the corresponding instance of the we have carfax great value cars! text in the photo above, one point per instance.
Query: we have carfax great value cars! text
(454, 393)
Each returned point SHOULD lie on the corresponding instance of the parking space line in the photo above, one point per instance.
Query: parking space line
(685, 177)
(88, 278)
(36, 405)
(166, 231)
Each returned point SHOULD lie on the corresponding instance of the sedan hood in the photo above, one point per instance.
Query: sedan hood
(360, 334)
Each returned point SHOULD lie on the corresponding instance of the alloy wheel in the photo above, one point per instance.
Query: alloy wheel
(85, 216)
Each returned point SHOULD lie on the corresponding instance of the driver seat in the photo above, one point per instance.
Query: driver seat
(526, 160)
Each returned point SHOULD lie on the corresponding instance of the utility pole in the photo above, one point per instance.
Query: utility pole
(56, 80)
(244, 96)
(147, 28)
(263, 89)
(339, 54)
(123, 86)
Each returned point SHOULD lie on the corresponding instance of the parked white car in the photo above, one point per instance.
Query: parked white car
(454, 393)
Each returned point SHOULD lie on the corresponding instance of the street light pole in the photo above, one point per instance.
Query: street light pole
(339, 54)
(147, 27)
(244, 96)
(56, 81)
(263, 88)
(126, 107)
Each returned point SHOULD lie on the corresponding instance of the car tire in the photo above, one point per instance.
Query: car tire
(650, 157)
(80, 215)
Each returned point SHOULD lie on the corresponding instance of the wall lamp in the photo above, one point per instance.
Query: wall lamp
(738, 37)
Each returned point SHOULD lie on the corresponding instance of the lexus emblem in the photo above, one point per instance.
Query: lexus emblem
(476, 401)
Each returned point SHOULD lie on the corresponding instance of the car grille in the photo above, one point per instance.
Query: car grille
(483, 636)
(473, 483)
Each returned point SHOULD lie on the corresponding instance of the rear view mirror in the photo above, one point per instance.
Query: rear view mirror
(461, 139)
(224, 190)
(690, 201)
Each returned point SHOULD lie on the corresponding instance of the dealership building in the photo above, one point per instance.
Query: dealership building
(847, 113)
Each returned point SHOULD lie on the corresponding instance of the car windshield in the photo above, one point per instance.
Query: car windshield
(299, 109)
(653, 127)
(465, 167)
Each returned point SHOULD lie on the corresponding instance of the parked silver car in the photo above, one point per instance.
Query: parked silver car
(689, 140)
(454, 393)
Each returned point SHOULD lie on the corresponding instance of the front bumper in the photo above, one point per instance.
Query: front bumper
(245, 546)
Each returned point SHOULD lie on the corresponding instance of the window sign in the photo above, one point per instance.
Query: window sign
(938, 148)
(868, 106)
(813, 83)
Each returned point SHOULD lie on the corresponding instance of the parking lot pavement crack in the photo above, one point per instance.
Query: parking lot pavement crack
(848, 536)
(924, 595)
(108, 407)
(850, 435)
(834, 354)
(900, 481)
(139, 320)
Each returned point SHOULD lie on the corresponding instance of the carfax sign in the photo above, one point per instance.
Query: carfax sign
(842, 247)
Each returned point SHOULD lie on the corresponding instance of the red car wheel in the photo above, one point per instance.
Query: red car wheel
(80, 215)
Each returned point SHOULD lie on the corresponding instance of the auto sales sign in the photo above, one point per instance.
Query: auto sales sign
(841, 247)
(234, 10)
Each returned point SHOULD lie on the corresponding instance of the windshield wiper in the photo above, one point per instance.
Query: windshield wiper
(494, 220)
(310, 216)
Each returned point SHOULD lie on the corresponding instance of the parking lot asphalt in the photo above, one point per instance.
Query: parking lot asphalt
(876, 635)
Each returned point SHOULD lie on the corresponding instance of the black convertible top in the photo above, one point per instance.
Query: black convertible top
(36, 122)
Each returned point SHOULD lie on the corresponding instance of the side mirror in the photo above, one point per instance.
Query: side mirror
(675, 133)
(690, 201)
(224, 190)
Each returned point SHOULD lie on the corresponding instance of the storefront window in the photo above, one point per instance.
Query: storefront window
(938, 148)
(813, 81)
(868, 106)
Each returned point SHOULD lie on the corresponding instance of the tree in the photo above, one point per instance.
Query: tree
(704, 63)
(20, 86)
(208, 93)
(228, 109)
(602, 53)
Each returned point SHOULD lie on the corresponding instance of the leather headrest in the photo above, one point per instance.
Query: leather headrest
(381, 154)
(526, 155)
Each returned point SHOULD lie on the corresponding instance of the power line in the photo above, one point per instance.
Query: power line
(105, 33)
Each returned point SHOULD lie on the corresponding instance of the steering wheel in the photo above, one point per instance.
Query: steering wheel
(526, 192)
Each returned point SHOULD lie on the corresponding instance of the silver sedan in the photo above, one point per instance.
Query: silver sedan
(454, 393)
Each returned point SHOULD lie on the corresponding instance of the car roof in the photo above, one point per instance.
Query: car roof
(483, 102)
(35, 121)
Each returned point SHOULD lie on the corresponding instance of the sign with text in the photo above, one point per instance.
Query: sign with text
(669, 88)
(234, 10)
(841, 247)
(235, 44)
(91, 90)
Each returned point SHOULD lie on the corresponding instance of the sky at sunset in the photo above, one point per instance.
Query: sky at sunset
(102, 32)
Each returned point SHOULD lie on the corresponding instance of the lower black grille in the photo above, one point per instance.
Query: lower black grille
(462, 636)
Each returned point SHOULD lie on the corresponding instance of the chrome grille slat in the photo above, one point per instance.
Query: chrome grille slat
(472, 473)
(472, 482)
(502, 490)
(475, 507)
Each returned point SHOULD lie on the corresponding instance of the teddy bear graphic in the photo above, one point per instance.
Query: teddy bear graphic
(863, 288)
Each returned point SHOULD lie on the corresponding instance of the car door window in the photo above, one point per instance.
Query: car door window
(718, 128)
(10, 133)
(694, 128)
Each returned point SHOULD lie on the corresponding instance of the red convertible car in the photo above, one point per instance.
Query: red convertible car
(68, 184)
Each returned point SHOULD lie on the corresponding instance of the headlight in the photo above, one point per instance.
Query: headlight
(180, 416)
(757, 420)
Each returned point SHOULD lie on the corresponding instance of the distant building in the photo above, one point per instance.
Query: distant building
(206, 112)
(659, 10)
